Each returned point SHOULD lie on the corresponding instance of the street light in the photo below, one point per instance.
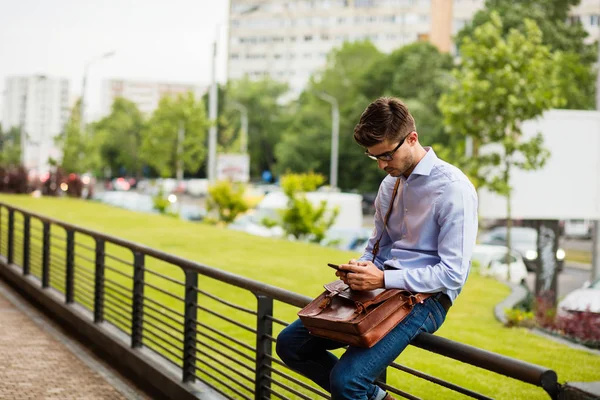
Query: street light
(335, 137)
(244, 131)
(213, 104)
(83, 87)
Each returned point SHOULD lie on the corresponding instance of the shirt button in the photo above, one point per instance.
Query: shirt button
(406, 210)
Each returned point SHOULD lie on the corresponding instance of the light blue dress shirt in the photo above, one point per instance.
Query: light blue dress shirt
(429, 239)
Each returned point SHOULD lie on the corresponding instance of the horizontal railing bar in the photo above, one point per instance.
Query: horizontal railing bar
(288, 389)
(227, 356)
(178, 357)
(230, 320)
(521, 370)
(118, 297)
(278, 362)
(118, 313)
(85, 246)
(274, 393)
(270, 338)
(172, 336)
(161, 305)
(117, 284)
(165, 277)
(298, 382)
(397, 391)
(116, 271)
(124, 296)
(57, 259)
(84, 271)
(86, 295)
(119, 306)
(165, 292)
(228, 386)
(55, 236)
(278, 321)
(78, 255)
(87, 284)
(221, 363)
(219, 274)
(439, 381)
(240, 308)
(225, 336)
(118, 259)
(227, 346)
(148, 306)
(174, 349)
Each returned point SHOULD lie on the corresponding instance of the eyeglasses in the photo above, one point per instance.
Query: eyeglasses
(388, 155)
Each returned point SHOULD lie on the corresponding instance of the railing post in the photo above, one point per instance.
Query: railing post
(264, 329)
(137, 309)
(46, 255)
(26, 240)
(99, 282)
(11, 235)
(70, 268)
(189, 328)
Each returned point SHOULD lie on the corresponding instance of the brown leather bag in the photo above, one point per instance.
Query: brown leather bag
(359, 318)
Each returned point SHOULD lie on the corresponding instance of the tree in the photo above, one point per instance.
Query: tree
(159, 147)
(267, 119)
(306, 142)
(497, 88)
(551, 16)
(227, 199)
(418, 74)
(118, 138)
(302, 219)
(76, 157)
(10, 146)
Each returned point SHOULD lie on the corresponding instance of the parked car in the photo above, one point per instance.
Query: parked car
(524, 241)
(586, 298)
(492, 261)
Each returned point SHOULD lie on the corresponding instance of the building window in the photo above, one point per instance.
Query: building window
(308, 38)
(595, 20)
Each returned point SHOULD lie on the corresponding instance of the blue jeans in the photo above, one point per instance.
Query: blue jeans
(353, 375)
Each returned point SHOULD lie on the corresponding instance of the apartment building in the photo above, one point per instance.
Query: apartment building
(290, 39)
(39, 105)
(145, 94)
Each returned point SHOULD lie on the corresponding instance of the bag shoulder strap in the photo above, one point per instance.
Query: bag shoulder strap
(385, 220)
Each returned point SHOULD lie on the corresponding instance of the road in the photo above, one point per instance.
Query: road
(568, 280)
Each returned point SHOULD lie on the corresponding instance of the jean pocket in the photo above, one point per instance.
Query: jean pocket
(432, 323)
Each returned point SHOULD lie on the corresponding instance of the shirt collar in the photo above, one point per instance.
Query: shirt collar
(426, 164)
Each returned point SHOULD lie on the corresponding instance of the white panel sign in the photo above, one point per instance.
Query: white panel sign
(568, 186)
(233, 167)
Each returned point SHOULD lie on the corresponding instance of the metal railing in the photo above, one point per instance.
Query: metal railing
(215, 326)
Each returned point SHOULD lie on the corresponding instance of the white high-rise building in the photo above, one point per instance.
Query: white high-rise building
(145, 94)
(39, 105)
(290, 39)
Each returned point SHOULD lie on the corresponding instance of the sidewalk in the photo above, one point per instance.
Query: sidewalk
(38, 361)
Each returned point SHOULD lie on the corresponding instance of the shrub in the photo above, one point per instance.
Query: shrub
(13, 180)
(227, 199)
(583, 327)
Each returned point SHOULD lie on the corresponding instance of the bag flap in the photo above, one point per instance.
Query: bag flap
(336, 286)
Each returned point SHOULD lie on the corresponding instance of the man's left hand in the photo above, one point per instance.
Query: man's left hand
(363, 275)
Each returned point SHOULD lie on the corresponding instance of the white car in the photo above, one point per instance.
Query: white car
(585, 299)
(492, 261)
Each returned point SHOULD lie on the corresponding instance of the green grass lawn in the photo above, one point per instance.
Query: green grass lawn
(301, 268)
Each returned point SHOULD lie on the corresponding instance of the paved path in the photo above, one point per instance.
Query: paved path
(37, 361)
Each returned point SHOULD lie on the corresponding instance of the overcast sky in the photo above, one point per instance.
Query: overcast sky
(154, 39)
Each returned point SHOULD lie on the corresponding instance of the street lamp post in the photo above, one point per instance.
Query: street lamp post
(244, 131)
(83, 87)
(335, 137)
(213, 104)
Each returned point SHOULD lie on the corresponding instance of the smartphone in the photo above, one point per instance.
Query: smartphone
(334, 266)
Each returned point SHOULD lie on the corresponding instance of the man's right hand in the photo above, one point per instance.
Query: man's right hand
(344, 275)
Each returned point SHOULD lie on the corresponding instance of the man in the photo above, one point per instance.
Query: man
(425, 247)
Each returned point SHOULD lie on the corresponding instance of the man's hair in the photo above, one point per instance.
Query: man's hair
(387, 118)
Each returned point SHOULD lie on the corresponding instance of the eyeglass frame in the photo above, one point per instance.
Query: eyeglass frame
(388, 155)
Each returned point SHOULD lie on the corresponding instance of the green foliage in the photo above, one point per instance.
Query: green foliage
(306, 142)
(77, 153)
(227, 199)
(497, 88)
(551, 16)
(118, 137)
(518, 317)
(159, 143)
(10, 146)
(302, 219)
(267, 119)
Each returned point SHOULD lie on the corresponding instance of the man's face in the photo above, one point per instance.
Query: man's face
(393, 159)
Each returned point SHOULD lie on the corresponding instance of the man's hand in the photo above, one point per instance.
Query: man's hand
(361, 275)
